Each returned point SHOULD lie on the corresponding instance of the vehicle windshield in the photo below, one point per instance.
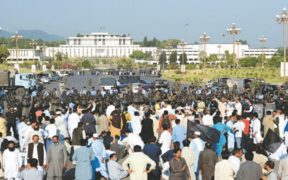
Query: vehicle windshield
(31, 76)
(108, 81)
(129, 79)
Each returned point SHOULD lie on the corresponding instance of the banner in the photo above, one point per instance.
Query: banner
(272, 141)
(16, 66)
(282, 69)
(208, 134)
(33, 68)
(44, 68)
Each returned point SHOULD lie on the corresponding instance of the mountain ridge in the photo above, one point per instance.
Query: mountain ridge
(33, 34)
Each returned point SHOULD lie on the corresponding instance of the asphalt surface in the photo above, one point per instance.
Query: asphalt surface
(88, 80)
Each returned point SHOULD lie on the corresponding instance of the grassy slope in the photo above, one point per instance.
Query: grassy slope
(268, 74)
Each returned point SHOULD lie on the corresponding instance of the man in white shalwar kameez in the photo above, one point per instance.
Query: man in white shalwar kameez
(282, 124)
(136, 123)
(165, 139)
(12, 161)
(22, 129)
(231, 136)
(132, 140)
(61, 125)
(72, 123)
(256, 129)
(197, 145)
(188, 155)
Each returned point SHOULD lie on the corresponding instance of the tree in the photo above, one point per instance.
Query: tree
(212, 59)
(147, 56)
(169, 43)
(145, 41)
(173, 58)
(242, 41)
(183, 55)
(125, 63)
(261, 58)
(229, 58)
(86, 64)
(59, 56)
(203, 58)
(275, 61)
(137, 55)
(162, 59)
(155, 43)
(4, 53)
(248, 62)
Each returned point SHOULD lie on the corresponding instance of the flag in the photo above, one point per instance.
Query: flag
(272, 141)
(208, 134)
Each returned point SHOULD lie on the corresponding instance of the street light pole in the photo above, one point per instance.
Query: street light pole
(182, 66)
(283, 18)
(262, 40)
(233, 31)
(204, 39)
(16, 38)
(33, 44)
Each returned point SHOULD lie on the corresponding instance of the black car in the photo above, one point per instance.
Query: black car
(125, 80)
(146, 84)
(160, 83)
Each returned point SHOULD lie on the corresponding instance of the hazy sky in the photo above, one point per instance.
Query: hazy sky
(181, 19)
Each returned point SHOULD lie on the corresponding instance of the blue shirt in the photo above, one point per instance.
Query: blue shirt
(179, 134)
(153, 151)
(97, 147)
(222, 128)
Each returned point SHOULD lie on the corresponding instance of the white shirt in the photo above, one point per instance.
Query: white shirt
(256, 126)
(51, 130)
(132, 140)
(236, 163)
(208, 120)
(136, 125)
(165, 139)
(238, 107)
(73, 120)
(35, 153)
(239, 128)
(109, 110)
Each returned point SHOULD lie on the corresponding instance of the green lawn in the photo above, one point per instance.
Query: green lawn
(270, 75)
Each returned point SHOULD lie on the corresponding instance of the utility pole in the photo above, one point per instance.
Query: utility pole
(262, 40)
(204, 39)
(282, 19)
(233, 31)
(16, 38)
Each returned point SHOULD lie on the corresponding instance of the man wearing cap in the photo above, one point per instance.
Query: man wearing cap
(197, 145)
(98, 148)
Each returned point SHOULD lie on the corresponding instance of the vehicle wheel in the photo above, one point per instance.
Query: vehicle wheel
(20, 91)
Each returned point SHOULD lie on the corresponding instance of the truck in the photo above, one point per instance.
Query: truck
(18, 83)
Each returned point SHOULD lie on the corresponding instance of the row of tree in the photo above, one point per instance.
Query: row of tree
(24, 43)
(169, 43)
(225, 60)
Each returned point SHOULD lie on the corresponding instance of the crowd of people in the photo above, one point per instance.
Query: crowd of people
(94, 134)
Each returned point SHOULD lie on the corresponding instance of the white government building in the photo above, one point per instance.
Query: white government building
(98, 45)
(193, 51)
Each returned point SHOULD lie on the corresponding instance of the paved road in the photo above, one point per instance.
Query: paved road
(79, 82)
